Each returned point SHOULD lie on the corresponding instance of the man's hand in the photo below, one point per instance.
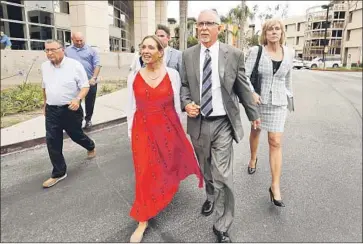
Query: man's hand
(74, 104)
(92, 82)
(256, 124)
(192, 109)
(256, 98)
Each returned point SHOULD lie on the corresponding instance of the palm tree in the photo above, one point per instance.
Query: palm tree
(183, 11)
(239, 16)
(228, 21)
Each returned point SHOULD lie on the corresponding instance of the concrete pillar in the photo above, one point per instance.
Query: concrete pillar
(85, 17)
(144, 20)
(160, 12)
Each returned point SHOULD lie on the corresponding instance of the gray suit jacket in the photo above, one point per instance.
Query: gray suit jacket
(174, 59)
(234, 87)
(279, 86)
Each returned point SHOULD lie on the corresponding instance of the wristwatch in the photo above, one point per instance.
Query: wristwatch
(95, 78)
(79, 99)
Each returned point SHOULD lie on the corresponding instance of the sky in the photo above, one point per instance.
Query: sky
(296, 8)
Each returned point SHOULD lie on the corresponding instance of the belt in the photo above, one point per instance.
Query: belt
(213, 118)
(58, 106)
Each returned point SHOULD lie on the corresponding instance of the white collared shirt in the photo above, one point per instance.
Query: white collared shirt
(63, 83)
(217, 101)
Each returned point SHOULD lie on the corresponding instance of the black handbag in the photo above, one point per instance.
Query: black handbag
(255, 81)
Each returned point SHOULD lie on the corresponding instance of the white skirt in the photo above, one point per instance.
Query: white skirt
(272, 117)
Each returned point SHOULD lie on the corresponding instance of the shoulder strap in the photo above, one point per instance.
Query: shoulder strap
(255, 68)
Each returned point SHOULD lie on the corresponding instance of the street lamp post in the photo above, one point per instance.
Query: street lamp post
(326, 28)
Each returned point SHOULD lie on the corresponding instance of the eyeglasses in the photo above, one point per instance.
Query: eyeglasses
(206, 24)
(51, 50)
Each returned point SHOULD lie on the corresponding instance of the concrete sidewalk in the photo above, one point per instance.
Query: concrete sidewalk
(109, 109)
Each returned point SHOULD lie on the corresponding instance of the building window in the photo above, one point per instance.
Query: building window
(61, 6)
(298, 26)
(337, 33)
(40, 17)
(339, 15)
(36, 45)
(114, 44)
(64, 36)
(12, 12)
(41, 32)
(124, 46)
(348, 35)
(297, 40)
(18, 45)
(350, 17)
(13, 30)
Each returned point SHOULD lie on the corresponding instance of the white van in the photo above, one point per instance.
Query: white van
(331, 62)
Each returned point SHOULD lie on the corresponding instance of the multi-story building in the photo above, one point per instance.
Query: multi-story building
(315, 31)
(305, 34)
(352, 36)
(107, 25)
(295, 34)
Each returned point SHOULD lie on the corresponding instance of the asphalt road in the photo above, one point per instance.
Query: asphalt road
(321, 182)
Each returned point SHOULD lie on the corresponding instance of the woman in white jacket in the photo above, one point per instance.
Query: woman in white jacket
(161, 152)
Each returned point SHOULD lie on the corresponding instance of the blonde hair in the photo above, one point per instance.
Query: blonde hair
(267, 25)
(159, 44)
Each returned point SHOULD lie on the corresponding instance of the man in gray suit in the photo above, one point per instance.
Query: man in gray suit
(213, 83)
(172, 57)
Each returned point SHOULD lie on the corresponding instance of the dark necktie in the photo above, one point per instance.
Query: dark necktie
(206, 103)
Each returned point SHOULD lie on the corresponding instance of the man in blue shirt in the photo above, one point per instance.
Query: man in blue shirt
(5, 40)
(90, 60)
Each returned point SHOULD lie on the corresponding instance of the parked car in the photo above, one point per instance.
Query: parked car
(297, 64)
(331, 62)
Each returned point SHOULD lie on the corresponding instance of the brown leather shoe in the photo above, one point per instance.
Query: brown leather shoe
(52, 181)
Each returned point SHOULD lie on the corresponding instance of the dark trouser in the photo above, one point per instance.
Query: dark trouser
(57, 119)
(90, 102)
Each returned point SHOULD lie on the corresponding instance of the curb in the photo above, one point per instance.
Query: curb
(41, 140)
(348, 71)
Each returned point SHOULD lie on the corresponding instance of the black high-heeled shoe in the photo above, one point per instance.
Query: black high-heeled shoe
(278, 203)
(252, 170)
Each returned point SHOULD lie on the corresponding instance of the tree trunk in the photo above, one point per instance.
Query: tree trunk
(183, 11)
(242, 23)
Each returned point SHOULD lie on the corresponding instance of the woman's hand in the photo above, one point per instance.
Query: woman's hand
(256, 98)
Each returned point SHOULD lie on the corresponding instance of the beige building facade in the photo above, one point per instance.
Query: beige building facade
(295, 34)
(306, 33)
(353, 35)
(107, 25)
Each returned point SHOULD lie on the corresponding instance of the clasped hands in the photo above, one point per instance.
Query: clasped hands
(193, 111)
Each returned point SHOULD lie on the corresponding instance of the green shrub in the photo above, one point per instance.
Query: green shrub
(106, 89)
(25, 97)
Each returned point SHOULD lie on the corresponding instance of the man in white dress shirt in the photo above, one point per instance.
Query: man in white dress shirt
(212, 85)
(65, 84)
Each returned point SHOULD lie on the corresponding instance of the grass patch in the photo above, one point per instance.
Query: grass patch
(24, 102)
(22, 98)
(106, 87)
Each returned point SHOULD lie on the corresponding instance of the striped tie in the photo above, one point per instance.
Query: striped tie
(206, 103)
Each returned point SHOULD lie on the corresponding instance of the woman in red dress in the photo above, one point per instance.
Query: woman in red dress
(161, 152)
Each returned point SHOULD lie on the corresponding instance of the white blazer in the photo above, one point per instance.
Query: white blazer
(131, 109)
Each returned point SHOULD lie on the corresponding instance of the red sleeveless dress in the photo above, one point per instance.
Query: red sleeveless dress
(162, 154)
